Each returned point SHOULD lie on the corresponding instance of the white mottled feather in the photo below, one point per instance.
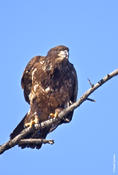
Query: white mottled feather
(33, 73)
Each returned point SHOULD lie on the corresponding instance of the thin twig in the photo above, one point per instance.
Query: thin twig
(90, 99)
(91, 84)
(25, 132)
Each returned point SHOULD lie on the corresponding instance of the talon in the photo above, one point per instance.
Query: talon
(32, 122)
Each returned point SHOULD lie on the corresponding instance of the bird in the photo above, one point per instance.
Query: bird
(50, 85)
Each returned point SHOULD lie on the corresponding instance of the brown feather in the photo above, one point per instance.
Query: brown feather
(49, 83)
(18, 128)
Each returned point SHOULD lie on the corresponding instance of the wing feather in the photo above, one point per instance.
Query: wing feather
(26, 80)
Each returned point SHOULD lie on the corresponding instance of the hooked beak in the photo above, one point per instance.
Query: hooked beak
(64, 54)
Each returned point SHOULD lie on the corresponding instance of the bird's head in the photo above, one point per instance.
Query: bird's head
(59, 52)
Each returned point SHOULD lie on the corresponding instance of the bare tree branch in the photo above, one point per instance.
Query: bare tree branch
(36, 141)
(19, 138)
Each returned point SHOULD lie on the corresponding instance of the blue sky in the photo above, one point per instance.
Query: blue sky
(90, 29)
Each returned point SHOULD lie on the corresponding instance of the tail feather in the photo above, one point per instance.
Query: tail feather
(18, 128)
(40, 134)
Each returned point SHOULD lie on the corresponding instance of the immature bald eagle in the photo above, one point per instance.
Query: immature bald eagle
(50, 85)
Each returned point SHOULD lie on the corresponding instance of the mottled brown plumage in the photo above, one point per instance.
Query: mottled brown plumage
(50, 85)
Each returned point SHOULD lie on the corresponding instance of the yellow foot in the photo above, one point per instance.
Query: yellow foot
(32, 122)
(57, 111)
(54, 115)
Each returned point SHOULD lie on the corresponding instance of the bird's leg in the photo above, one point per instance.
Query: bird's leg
(33, 121)
(57, 111)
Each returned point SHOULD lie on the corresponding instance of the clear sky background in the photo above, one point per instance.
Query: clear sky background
(88, 144)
